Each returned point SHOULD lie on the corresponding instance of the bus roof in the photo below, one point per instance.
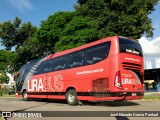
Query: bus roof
(81, 47)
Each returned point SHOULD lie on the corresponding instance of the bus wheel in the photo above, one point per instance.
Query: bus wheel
(25, 96)
(71, 97)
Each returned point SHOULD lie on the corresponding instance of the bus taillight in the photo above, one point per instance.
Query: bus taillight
(118, 82)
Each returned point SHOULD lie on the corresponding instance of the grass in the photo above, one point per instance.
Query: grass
(1, 116)
(152, 96)
(8, 96)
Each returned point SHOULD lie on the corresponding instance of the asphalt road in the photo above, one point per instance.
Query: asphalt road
(40, 107)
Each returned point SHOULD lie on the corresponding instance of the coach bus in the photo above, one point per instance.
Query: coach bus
(107, 69)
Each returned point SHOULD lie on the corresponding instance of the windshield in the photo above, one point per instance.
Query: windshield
(130, 46)
(19, 75)
(25, 70)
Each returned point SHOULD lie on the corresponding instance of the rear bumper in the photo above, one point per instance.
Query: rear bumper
(96, 99)
(112, 96)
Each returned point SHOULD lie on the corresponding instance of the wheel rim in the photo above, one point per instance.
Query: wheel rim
(25, 96)
(71, 97)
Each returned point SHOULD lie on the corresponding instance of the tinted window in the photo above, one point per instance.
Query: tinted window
(130, 46)
(27, 69)
(44, 67)
(59, 63)
(97, 53)
(19, 77)
(75, 59)
(47, 66)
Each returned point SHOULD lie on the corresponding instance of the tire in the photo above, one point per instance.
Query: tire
(25, 96)
(71, 97)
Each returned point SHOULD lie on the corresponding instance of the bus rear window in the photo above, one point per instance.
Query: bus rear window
(130, 46)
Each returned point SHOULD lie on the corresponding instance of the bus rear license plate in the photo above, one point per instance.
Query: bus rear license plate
(134, 94)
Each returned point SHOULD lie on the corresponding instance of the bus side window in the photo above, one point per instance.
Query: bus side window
(39, 69)
(44, 67)
(59, 63)
(47, 66)
(75, 59)
(70, 60)
(97, 53)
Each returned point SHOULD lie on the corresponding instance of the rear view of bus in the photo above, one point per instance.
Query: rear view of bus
(127, 71)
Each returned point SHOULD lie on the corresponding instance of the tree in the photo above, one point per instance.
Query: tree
(13, 34)
(64, 30)
(29, 51)
(51, 30)
(4, 79)
(6, 59)
(22, 38)
(78, 31)
(119, 17)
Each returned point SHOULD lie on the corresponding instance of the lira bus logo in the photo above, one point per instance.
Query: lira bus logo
(46, 84)
(129, 81)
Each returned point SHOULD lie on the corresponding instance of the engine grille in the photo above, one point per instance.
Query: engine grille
(132, 66)
(136, 68)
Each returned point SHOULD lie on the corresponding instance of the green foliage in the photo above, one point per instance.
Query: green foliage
(29, 51)
(27, 31)
(151, 96)
(51, 30)
(4, 78)
(81, 2)
(6, 59)
(120, 17)
(14, 34)
(6, 91)
(64, 30)
(1, 91)
(20, 36)
(77, 32)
